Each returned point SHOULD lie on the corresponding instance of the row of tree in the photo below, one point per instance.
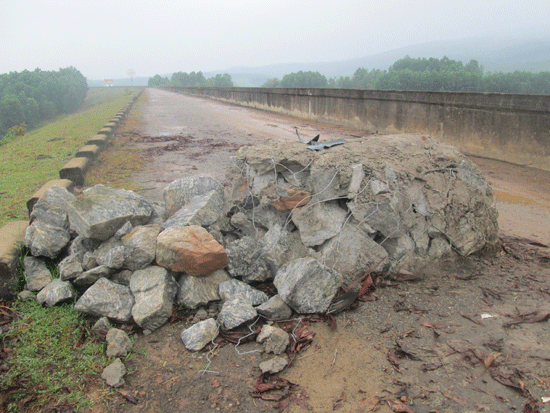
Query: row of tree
(32, 97)
(191, 79)
(424, 74)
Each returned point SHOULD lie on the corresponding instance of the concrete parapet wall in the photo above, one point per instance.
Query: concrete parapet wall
(509, 127)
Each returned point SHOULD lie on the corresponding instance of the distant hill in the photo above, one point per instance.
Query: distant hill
(495, 54)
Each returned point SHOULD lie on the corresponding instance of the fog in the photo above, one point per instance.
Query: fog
(104, 39)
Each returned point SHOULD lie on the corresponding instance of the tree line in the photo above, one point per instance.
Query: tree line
(440, 75)
(28, 98)
(191, 80)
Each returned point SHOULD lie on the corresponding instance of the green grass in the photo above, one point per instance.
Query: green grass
(28, 162)
(50, 367)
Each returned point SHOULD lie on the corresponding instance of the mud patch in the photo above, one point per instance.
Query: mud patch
(160, 145)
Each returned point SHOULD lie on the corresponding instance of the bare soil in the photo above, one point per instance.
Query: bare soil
(469, 336)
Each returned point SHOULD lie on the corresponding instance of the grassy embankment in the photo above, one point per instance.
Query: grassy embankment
(28, 162)
(51, 359)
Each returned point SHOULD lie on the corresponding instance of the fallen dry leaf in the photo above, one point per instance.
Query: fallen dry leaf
(533, 317)
(397, 406)
(131, 396)
(490, 359)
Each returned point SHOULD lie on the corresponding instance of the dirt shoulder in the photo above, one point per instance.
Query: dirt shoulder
(467, 336)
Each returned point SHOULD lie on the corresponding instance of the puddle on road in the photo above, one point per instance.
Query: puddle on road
(512, 199)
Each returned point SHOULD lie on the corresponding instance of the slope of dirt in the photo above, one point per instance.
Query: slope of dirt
(467, 336)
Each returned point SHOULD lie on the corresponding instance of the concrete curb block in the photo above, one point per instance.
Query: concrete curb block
(64, 183)
(105, 131)
(75, 170)
(112, 125)
(12, 240)
(89, 151)
(99, 140)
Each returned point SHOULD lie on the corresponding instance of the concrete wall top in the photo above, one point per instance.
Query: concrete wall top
(502, 101)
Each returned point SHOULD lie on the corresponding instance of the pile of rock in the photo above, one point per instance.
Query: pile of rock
(397, 202)
(308, 221)
(123, 260)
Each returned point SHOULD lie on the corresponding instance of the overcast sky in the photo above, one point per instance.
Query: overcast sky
(104, 39)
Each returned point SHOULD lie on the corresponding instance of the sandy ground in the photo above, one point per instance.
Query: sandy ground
(466, 337)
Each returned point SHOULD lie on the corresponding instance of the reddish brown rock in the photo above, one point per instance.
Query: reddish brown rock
(296, 198)
(189, 249)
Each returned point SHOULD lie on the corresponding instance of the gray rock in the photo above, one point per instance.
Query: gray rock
(140, 246)
(307, 286)
(319, 222)
(89, 261)
(328, 181)
(159, 214)
(103, 211)
(124, 230)
(102, 324)
(37, 273)
(70, 267)
(235, 312)
(81, 245)
(47, 240)
(353, 252)
(201, 314)
(106, 246)
(91, 276)
(118, 343)
(181, 191)
(357, 176)
(275, 309)
(106, 298)
(56, 292)
(275, 339)
(194, 292)
(378, 187)
(267, 216)
(245, 226)
(26, 295)
(439, 247)
(113, 374)
(232, 288)
(154, 289)
(202, 210)
(279, 247)
(113, 259)
(245, 259)
(199, 335)
(48, 233)
(122, 277)
(274, 365)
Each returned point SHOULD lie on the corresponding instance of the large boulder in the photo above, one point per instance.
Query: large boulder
(189, 249)
(307, 286)
(202, 210)
(56, 292)
(102, 211)
(48, 232)
(194, 291)
(107, 299)
(154, 289)
(180, 192)
(140, 246)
